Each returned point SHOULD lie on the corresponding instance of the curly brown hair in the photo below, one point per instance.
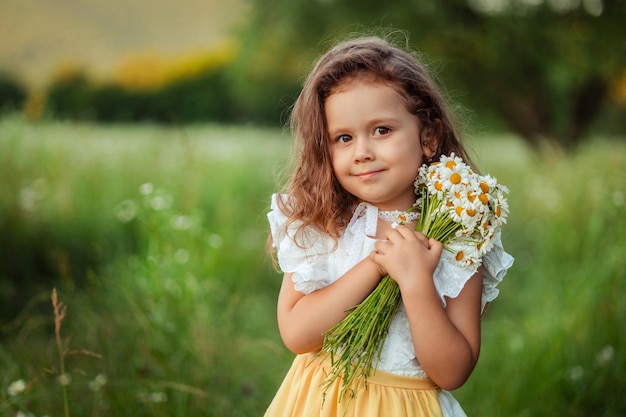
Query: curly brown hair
(316, 197)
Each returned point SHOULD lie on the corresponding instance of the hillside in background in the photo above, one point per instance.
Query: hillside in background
(37, 37)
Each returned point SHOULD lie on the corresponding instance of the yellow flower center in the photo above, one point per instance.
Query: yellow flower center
(455, 178)
(483, 198)
(471, 212)
(459, 210)
(438, 186)
(459, 255)
(498, 211)
(450, 164)
(471, 197)
(484, 187)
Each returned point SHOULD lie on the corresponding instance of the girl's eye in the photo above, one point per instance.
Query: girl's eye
(344, 138)
(381, 131)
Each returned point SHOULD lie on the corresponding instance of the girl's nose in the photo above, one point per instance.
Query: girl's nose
(363, 150)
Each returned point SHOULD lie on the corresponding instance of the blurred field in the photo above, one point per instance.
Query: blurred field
(40, 36)
(154, 238)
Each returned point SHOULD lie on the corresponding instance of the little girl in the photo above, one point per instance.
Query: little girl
(367, 118)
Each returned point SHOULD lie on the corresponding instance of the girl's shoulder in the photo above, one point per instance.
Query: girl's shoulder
(282, 228)
(302, 251)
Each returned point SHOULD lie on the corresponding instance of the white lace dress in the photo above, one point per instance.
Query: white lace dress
(318, 261)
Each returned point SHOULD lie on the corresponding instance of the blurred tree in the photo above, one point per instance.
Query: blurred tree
(543, 67)
(191, 88)
(12, 94)
(69, 96)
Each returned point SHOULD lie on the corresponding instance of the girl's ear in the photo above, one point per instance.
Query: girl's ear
(430, 138)
(430, 144)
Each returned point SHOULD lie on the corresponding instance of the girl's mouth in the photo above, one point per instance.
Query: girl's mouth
(368, 175)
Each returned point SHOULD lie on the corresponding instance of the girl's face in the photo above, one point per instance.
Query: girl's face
(374, 143)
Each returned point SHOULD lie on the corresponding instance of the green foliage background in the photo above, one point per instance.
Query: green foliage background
(12, 94)
(552, 72)
(154, 238)
(546, 70)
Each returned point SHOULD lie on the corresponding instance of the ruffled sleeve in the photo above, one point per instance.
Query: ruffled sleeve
(450, 278)
(304, 253)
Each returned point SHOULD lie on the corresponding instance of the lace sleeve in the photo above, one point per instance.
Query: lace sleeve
(450, 278)
(304, 254)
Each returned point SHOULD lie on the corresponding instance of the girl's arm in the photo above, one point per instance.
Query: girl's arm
(446, 340)
(303, 319)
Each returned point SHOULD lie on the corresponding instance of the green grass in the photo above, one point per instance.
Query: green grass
(154, 238)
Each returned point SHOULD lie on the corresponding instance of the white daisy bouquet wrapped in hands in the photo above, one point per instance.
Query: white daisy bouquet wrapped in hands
(459, 208)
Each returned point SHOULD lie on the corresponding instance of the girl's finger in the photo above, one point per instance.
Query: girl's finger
(400, 232)
(404, 230)
(422, 238)
(380, 246)
(436, 246)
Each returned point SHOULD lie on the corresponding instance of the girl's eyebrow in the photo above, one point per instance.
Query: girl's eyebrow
(384, 120)
(333, 136)
(338, 130)
(378, 121)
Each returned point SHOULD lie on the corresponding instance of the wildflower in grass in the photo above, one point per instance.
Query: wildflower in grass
(30, 197)
(157, 397)
(146, 188)
(126, 211)
(154, 397)
(181, 256)
(16, 388)
(575, 373)
(459, 208)
(161, 202)
(98, 382)
(215, 241)
(180, 222)
(28, 200)
(64, 379)
(605, 355)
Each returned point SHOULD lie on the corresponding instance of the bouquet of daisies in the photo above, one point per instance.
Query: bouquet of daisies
(459, 208)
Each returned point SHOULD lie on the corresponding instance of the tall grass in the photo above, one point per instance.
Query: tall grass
(554, 342)
(154, 239)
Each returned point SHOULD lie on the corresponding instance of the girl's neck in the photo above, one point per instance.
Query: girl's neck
(398, 216)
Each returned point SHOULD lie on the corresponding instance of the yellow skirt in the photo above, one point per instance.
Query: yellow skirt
(301, 395)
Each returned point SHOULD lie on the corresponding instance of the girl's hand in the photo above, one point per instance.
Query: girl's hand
(407, 255)
(381, 271)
